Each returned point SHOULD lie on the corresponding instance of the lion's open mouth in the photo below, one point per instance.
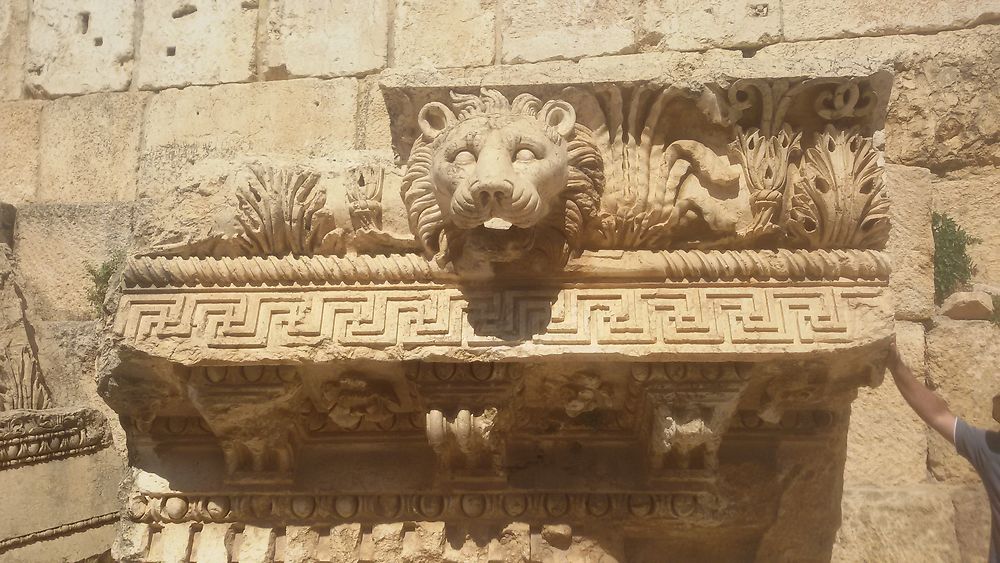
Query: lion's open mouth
(500, 240)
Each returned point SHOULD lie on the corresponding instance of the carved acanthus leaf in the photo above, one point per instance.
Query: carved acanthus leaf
(21, 384)
(364, 198)
(840, 199)
(281, 212)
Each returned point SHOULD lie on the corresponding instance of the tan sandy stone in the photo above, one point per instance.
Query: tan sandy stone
(175, 542)
(968, 306)
(79, 46)
(911, 242)
(301, 118)
(19, 154)
(961, 361)
(972, 198)
(972, 522)
(942, 109)
(90, 148)
(183, 43)
(55, 245)
(704, 25)
(301, 544)
(880, 524)
(808, 19)
(306, 38)
(445, 34)
(887, 441)
(214, 542)
(13, 47)
(376, 133)
(541, 30)
(257, 545)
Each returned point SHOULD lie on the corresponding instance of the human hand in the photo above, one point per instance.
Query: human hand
(894, 361)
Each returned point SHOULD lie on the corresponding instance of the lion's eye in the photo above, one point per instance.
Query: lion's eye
(525, 155)
(464, 157)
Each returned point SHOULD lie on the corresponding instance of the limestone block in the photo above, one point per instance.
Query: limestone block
(19, 150)
(542, 30)
(175, 543)
(882, 525)
(258, 544)
(968, 306)
(679, 26)
(214, 543)
(345, 540)
(911, 241)
(301, 544)
(444, 34)
(13, 47)
(374, 122)
(90, 148)
(944, 110)
(424, 543)
(202, 42)
(943, 107)
(972, 198)
(66, 352)
(385, 543)
(47, 499)
(962, 360)
(972, 522)
(79, 46)
(338, 38)
(184, 128)
(887, 441)
(54, 246)
(808, 19)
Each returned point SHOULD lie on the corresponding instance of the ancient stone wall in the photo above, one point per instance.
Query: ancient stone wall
(124, 127)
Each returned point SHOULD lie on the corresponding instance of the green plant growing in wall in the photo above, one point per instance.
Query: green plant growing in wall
(100, 276)
(953, 267)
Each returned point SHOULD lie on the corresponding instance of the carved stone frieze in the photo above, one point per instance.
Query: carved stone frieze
(252, 410)
(601, 303)
(34, 436)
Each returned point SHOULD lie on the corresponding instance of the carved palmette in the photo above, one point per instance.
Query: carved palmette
(840, 199)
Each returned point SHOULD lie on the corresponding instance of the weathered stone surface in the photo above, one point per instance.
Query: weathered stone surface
(79, 46)
(709, 24)
(972, 522)
(879, 524)
(943, 106)
(91, 493)
(807, 19)
(887, 441)
(306, 38)
(445, 34)
(184, 43)
(13, 47)
(961, 360)
(972, 198)
(968, 306)
(90, 148)
(943, 111)
(54, 246)
(911, 242)
(303, 118)
(542, 30)
(19, 154)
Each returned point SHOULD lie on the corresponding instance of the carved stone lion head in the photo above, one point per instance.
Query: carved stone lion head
(495, 181)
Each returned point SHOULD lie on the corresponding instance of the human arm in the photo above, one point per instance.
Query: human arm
(928, 406)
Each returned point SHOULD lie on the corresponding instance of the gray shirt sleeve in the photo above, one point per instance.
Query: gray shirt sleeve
(971, 444)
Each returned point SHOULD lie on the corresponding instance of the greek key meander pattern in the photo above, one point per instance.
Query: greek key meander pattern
(423, 316)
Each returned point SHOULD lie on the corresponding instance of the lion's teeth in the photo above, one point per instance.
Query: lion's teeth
(498, 224)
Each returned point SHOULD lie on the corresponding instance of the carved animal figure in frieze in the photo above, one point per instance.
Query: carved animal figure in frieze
(492, 181)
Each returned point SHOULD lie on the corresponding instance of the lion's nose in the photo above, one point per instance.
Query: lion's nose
(493, 192)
